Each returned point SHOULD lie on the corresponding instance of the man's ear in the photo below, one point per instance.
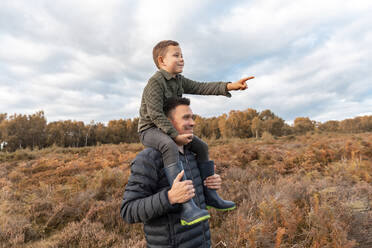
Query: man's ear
(170, 115)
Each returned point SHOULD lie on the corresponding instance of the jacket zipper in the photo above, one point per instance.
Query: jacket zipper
(171, 230)
(197, 196)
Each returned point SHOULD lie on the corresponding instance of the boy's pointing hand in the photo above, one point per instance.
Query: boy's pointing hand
(239, 85)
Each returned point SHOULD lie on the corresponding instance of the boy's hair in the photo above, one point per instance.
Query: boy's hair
(173, 102)
(161, 49)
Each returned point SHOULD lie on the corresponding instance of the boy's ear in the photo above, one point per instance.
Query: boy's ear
(160, 60)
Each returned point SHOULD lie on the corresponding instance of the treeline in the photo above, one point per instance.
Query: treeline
(33, 131)
(251, 123)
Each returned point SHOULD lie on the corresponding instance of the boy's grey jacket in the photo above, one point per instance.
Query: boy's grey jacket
(162, 86)
(146, 200)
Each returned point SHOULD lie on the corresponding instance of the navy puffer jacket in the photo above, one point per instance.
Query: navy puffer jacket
(146, 200)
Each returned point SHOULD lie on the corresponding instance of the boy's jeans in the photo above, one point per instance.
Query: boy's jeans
(155, 138)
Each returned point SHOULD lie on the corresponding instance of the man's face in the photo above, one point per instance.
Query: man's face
(173, 60)
(182, 119)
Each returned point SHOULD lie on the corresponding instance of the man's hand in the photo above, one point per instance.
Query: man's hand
(183, 139)
(239, 85)
(181, 191)
(213, 182)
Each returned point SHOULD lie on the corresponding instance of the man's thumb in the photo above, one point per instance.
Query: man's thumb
(179, 177)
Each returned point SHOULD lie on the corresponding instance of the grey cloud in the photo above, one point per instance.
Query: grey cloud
(94, 58)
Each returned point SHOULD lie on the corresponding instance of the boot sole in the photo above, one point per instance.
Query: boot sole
(221, 209)
(185, 223)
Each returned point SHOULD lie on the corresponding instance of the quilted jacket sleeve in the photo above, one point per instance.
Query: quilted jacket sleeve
(153, 97)
(142, 200)
(198, 88)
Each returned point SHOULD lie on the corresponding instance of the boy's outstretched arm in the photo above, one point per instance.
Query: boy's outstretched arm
(239, 85)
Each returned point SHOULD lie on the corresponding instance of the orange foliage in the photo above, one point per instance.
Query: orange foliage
(299, 191)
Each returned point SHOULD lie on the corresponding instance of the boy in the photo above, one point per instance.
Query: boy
(157, 131)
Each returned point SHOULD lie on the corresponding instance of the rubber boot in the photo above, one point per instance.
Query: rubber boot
(190, 213)
(212, 199)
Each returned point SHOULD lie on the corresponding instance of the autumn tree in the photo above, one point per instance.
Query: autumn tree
(21, 131)
(100, 134)
(257, 126)
(221, 122)
(238, 123)
(287, 129)
(3, 117)
(14, 131)
(88, 132)
(329, 126)
(117, 130)
(37, 130)
(347, 125)
(351, 125)
(271, 123)
(55, 134)
(132, 130)
(215, 131)
(366, 123)
(303, 125)
(66, 133)
(266, 115)
(122, 131)
(199, 127)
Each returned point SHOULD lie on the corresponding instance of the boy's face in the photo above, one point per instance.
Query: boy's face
(172, 61)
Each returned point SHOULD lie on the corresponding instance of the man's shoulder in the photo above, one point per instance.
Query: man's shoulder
(149, 154)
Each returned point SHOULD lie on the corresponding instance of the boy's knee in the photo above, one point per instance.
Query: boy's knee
(201, 146)
(169, 146)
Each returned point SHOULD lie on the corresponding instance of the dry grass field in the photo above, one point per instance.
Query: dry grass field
(313, 191)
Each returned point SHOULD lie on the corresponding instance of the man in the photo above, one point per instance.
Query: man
(148, 197)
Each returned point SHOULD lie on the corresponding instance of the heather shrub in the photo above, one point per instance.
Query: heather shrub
(85, 234)
(107, 213)
(15, 176)
(245, 156)
(15, 230)
(267, 137)
(93, 234)
(283, 214)
(21, 154)
(109, 183)
(312, 190)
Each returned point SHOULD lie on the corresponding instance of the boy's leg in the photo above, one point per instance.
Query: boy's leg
(153, 137)
(206, 168)
(199, 147)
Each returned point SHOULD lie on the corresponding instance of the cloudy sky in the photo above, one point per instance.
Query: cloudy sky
(90, 60)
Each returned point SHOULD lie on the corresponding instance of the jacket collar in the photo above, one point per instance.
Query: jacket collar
(167, 75)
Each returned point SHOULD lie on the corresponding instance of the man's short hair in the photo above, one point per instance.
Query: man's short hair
(173, 102)
(161, 49)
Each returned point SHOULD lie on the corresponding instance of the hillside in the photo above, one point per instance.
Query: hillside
(313, 190)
